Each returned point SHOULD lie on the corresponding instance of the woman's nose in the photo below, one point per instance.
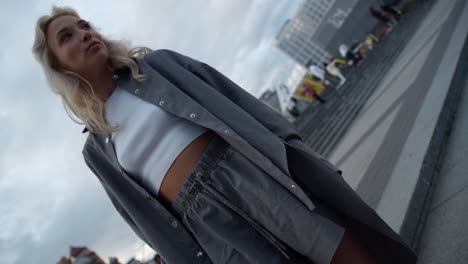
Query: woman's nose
(85, 36)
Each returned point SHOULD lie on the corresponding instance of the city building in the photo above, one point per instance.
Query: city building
(134, 261)
(84, 253)
(114, 260)
(270, 97)
(296, 37)
(286, 89)
(319, 26)
(81, 255)
(64, 260)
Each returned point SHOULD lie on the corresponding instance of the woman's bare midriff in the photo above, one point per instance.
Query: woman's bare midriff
(182, 167)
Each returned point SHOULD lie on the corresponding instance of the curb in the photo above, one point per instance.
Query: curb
(406, 200)
(414, 222)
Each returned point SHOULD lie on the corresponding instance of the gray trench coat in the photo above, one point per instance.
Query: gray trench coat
(197, 92)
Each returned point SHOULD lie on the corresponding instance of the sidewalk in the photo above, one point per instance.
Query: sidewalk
(322, 126)
(391, 152)
(445, 235)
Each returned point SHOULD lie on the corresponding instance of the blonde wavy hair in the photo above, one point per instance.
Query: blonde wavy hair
(78, 97)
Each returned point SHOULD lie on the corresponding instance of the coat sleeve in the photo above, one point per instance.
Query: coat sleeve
(263, 113)
(303, 146)
(116, 203)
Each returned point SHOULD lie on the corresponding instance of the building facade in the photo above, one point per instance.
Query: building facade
(319, 26)
(286, 89)
(270, 97)
(296, 37)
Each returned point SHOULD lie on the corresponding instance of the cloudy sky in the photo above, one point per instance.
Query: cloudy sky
(49, 198)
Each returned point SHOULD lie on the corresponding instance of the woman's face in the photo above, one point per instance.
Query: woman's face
(77, 46)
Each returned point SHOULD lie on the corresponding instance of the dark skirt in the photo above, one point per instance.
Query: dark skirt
(240, 214)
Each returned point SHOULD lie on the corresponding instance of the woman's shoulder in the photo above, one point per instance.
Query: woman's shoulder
(164, 56)
(167, 53)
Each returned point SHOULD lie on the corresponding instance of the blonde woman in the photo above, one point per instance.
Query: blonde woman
(201, 170)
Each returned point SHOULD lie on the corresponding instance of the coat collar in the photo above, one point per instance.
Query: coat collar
(116, 76)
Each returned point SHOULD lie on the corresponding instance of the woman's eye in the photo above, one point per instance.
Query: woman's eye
(87, 25)
(66, 36)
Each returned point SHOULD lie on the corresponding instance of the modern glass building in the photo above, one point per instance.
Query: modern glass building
(296, 37)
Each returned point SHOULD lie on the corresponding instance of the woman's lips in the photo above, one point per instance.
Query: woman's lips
(94, 44)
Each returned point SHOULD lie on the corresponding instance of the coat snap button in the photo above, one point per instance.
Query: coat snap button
(293, 186)
(161, 102)
(199, 174)
(199, 254)
(226, 131)
(115, 77)
(192, 115)
(107, 140)
(175, 224)
(148, 197)
(136, 91)
(121, 171)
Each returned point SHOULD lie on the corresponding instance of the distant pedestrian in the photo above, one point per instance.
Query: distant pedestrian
(347, 53)
(389, 2)
(373, 37)
(390, 8)
(369, 41)
(381, 17)
(291, 107)
(344, 49)
(334, 70)
(309, 91)
(317, 72)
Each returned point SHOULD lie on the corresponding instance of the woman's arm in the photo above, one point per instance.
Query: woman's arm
(114, 200)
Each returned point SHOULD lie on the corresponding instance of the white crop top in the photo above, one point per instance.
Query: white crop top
(150, 138)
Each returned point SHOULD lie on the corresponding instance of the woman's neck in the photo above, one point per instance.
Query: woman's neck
(103, 84)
